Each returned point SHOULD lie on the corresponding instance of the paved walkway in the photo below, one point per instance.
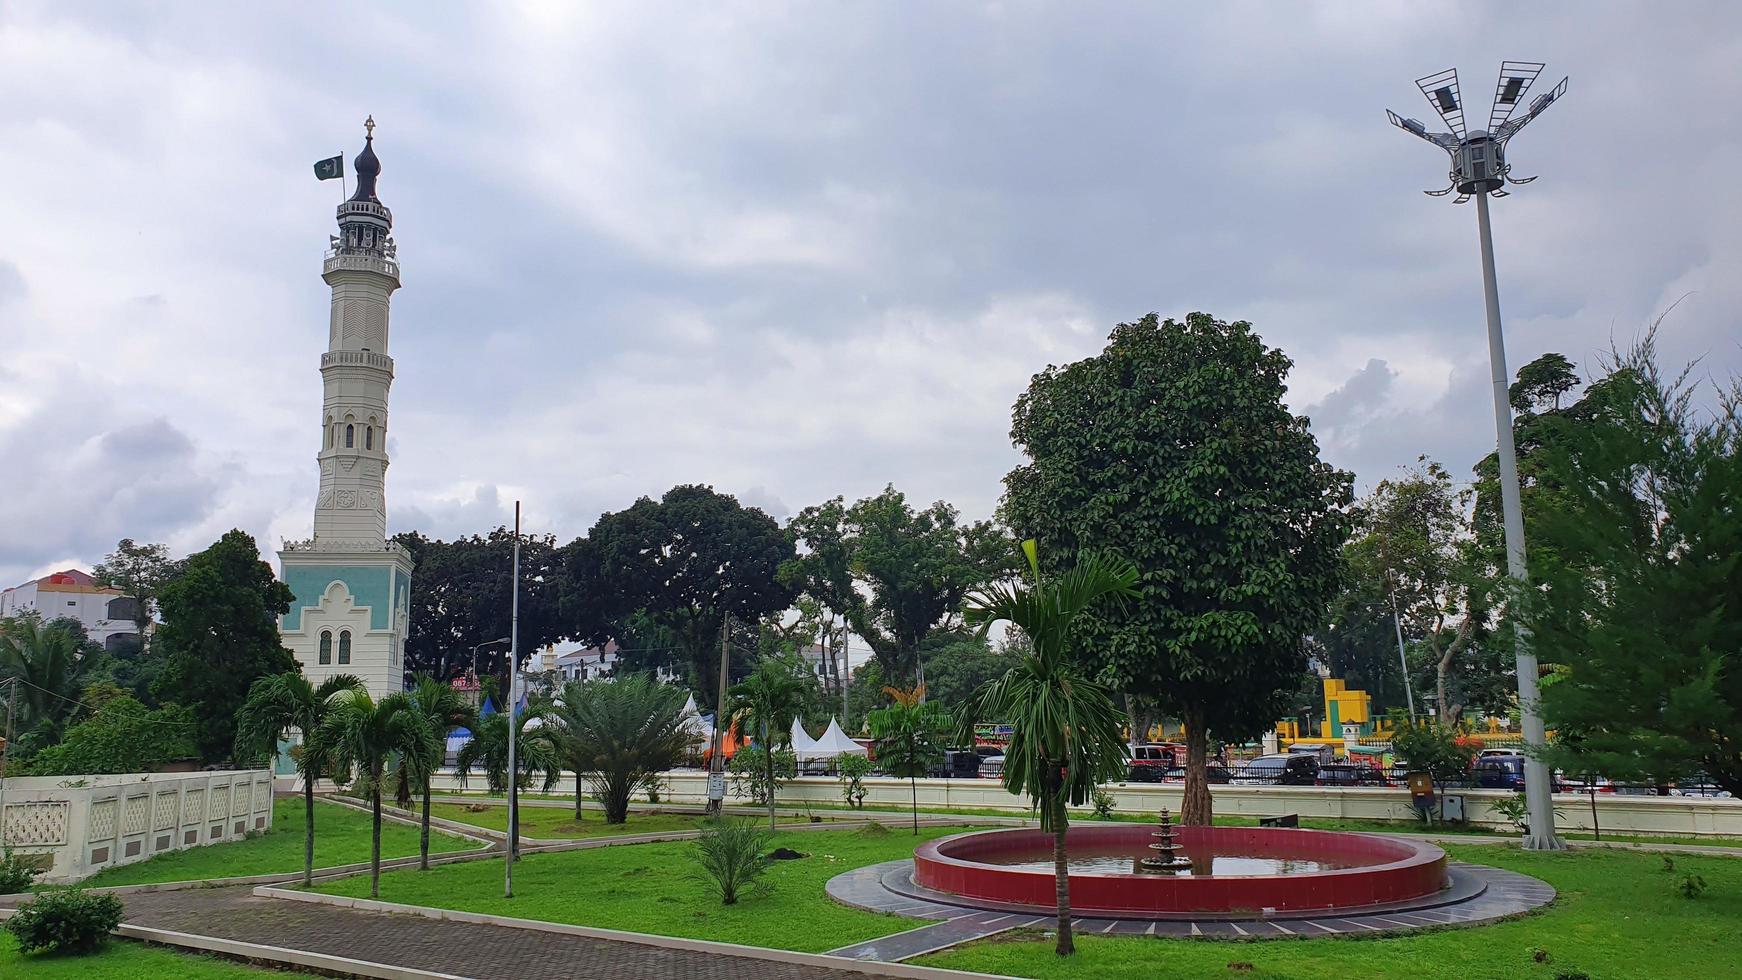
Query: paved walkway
(486, 952)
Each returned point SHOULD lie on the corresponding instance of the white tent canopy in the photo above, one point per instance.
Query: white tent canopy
(834, 742)
(700, 731)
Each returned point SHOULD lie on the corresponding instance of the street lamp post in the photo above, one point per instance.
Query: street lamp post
(513, 679)
(1479, 170)
(486, 643)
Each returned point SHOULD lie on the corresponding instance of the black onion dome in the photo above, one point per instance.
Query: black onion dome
(367, 167)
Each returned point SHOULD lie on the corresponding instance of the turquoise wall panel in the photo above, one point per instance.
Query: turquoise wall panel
(370, 585)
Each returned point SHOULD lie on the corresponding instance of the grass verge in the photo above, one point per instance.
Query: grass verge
(1620, 914)
(121, 959)
(559, 823)
(649, 888)
(341, 837)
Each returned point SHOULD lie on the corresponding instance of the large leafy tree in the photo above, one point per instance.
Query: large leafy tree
(460, 597)
(765, 705)
(277, 705)
(1640, 578)
(685, 562)
(141, 571)
(616, 733)
(1066, 736)
(1413, 545)
(894, 573)
(1173, 448)
(361, 736)
(120, 735)
(48, 663)
(220, 635)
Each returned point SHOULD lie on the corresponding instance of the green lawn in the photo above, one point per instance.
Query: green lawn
(121, 959)
(1618, 916)
(559, 823)
(647, 888)
(341, 837)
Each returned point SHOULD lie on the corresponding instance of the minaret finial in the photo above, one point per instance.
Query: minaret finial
(369, 126)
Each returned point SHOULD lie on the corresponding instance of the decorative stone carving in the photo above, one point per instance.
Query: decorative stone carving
(220, 802)
(133, 815)
(102, 822)
(36, 823)
(193, 806)
(164, 818)
(326, 500)
(347, 500)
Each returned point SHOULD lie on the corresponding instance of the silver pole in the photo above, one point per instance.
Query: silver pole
(1402, 662)
(513, 699)
(1541, 836)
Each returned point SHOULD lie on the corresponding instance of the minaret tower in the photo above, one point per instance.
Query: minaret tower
(352, 585)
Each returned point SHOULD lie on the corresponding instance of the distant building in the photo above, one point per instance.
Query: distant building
(108, 615)
(594, 663)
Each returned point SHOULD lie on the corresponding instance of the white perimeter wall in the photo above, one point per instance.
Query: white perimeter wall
(1687, 816)
(83, 824)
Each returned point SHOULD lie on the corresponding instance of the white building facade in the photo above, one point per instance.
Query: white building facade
(352, 585)
(106, 614)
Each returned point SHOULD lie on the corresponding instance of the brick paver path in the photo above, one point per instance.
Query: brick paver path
(465, 949)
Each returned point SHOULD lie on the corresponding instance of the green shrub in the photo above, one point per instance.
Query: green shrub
(68, 920)
(749, 771)
(15, 874)
(1691, 886)
(1103, 802)
(854, 769)
(729, 855)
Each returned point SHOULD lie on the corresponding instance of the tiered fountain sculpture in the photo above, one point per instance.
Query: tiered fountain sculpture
(1168, 859)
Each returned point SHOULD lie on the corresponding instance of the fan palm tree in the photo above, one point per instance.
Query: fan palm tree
(50, 669)
(361, 735)
(443, 709)
(767, 702)
(1066, 735)
(618, 731)
(909, 737)
(276, 704)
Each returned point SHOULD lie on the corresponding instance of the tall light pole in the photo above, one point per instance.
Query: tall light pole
(486, 643)
(513, 695)
(1402, 661)
(1480, 170)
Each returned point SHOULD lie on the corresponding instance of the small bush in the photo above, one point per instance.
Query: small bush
(1515, 809)
(1691, 886)
(655, 786)
(1103, 803)
(854, 769)
(65, 921)
(749, 771)
(1572, 975)
(1668, 863)
(15, 874)
(729, 856)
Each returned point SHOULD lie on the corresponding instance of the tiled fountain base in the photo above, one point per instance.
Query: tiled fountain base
(1478, 895)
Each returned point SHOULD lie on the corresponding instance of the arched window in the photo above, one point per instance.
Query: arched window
(326, 647)
(350, 436)
(369, 437)
(344, 646)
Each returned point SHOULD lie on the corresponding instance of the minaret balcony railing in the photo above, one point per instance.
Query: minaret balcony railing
(359, 260)
(357, 358)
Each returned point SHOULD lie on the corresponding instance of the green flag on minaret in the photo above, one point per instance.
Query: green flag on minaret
(330, 168)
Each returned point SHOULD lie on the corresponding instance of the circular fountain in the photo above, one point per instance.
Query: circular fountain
(1239, 871)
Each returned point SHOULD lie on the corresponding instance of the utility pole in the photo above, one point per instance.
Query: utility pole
(513, 702)
(846, 680)
(1479, 170)
(1402, 663)
(717, 759)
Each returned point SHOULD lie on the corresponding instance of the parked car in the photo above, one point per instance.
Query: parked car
(1149, 762)
(1279, 770)
(1213, 773)
(992, 767)
(1349, 774)
(1699, 784)
(1500, 772)
(957, 764)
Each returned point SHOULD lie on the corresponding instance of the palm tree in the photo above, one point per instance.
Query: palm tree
(443, 709)
(910, 734)
(50, 669)
(1066, 727)
(361, 735)
(619, 731)
(767, 702)
(534, 750)
(276, 704)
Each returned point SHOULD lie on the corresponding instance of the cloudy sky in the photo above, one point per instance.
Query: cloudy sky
(793, 251)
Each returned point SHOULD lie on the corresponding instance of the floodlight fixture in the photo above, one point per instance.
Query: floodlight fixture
(1479, 158)
(1479, 170)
